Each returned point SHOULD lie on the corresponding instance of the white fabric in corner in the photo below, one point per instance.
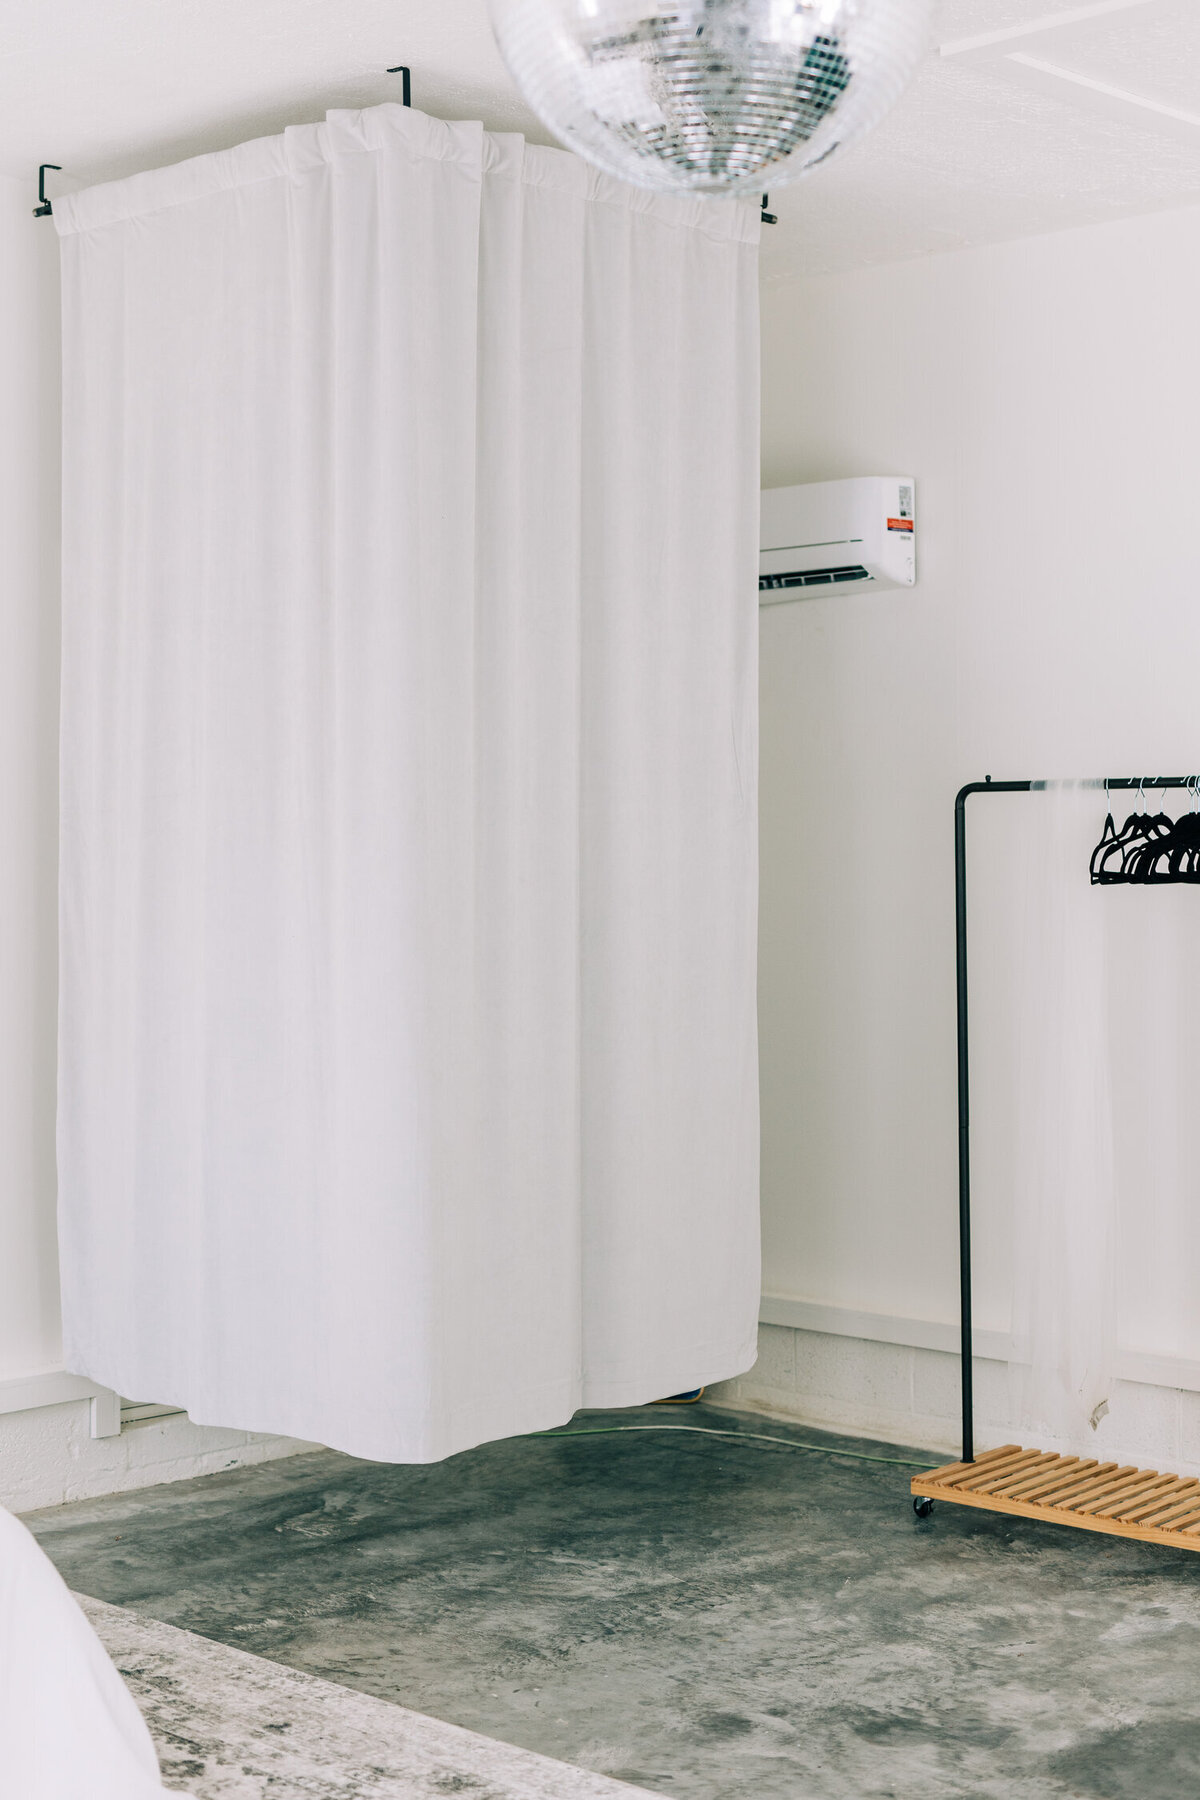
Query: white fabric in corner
(69, 1728)
(408, 1088)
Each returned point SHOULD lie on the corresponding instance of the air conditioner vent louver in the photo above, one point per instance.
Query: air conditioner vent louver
(826, 539)
(814, 577)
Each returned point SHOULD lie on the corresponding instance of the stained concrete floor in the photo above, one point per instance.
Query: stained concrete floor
(227, 1725)
(700, 1616)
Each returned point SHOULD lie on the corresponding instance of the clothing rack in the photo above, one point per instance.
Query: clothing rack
(1027, 1482)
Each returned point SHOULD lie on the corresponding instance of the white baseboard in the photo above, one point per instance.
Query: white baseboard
(930, 1334)
(55, 1388)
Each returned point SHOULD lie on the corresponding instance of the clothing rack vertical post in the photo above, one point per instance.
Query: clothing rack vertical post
(987, 786)
(1126, 1502)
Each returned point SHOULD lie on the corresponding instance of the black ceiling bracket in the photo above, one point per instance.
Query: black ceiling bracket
(768, 218)
(43, 209)
(406, 85)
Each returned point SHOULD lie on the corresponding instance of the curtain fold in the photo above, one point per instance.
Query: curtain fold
(408, 1093)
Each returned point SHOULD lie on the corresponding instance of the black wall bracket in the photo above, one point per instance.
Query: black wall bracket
(406, 84)
(43, 209)
(768, 218)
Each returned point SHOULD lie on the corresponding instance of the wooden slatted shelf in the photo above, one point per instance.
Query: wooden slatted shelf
(1069, 1490)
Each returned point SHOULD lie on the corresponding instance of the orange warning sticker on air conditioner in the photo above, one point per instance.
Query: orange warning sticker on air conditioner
(900, 524)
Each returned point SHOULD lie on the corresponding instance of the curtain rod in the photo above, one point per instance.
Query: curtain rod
(44, 210)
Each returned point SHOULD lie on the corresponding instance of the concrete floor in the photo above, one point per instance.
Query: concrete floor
(227, 1725)
(701, 1617)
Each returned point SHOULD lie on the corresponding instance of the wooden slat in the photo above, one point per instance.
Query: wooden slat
(1107, 1480)
(1060, 1493)
(972, 1478)
(1004, 1484)
(1045, 1470)
(1121, 1487)
(1141, 1509)
(1054, 1476)
(1135, 1488)
(1187, 1503)
(976, 1471)
(1010, 1485)
(962, 1468)
(1134, 1493)
(1176, 1510)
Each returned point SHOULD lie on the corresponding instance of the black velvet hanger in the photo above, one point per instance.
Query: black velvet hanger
(1173, 858)
(1114, 856)
(1150, 849)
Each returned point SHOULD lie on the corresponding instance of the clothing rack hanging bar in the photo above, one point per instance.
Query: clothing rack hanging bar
(1062, 1490)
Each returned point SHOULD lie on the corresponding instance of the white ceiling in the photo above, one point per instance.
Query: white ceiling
(1037, 127)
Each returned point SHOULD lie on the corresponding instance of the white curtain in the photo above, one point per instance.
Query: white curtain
(408, 1090)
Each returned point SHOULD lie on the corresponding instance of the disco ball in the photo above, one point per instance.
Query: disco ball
(710, 96)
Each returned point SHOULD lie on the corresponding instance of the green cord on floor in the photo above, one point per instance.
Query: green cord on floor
(758, 1437)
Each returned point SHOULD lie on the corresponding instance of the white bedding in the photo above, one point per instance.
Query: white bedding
(69, 1729)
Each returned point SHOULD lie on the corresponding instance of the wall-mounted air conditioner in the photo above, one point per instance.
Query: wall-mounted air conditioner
(837, 537)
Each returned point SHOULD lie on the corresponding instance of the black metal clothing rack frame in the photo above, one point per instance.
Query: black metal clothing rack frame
(988, 786)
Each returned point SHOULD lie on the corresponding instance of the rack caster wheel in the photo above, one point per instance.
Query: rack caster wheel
(922, 1506)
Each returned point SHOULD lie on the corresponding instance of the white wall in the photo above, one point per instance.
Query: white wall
(46, 1451)
(1046, 395)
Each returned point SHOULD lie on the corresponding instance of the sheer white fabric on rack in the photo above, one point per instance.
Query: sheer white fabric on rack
(1154, 995)
(408, 1090)
(1064, 1187)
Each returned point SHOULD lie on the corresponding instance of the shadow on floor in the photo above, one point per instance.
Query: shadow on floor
(706, 1617)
